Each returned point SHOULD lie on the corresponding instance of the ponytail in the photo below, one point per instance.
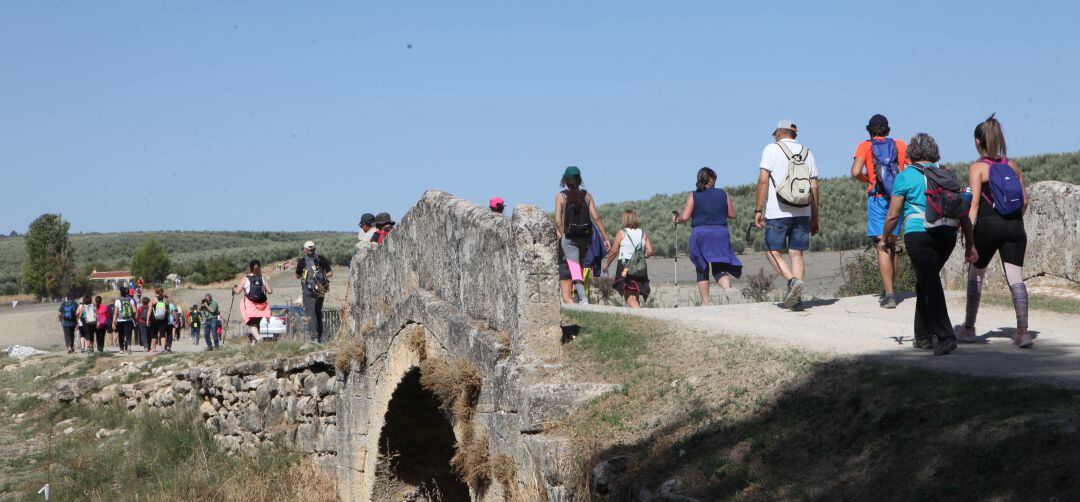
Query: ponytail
(991, 139)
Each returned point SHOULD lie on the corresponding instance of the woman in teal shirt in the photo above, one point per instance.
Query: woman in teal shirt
(928, 248)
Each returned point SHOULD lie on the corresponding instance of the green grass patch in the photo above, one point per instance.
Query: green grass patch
(737, 420)
(168, 455)
(1035, 301)
(612, 341)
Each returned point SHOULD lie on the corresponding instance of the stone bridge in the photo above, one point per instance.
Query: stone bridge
(457, 337)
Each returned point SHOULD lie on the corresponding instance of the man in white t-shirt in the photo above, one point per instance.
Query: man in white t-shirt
(787, 228)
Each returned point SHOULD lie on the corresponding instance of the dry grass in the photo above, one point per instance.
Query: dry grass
(502, 467)
(471, 461)
(417, 341)
(352, 352)
(456, 386)
(301, 482)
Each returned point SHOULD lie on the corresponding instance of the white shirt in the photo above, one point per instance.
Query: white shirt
(626, 247)
(774, 161)
(366, 236)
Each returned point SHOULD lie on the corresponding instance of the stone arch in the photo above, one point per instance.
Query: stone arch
(415, 447)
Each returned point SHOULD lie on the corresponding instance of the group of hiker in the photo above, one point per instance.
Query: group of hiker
(152, 323)
(907, 192)
(155, 322)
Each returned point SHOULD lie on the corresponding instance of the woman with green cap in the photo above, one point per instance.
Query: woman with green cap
(575, 218)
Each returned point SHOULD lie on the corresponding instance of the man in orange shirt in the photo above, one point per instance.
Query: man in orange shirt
(877, 162)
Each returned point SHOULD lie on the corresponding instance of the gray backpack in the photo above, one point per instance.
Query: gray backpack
(636, 268)
(794, 190)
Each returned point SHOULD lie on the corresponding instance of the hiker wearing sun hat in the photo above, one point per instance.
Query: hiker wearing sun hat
(383, 226)
(314, 274)
(787, 205)
(575, 220)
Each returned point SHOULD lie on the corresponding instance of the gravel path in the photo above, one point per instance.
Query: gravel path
(858, 327)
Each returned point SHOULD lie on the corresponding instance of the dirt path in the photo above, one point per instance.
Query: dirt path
(858, 327)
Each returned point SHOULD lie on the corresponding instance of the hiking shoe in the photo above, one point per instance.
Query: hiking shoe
(923, 343)
(965, 334)
(1026, 341)
(945, 346)
(795, 287)
(888, 302)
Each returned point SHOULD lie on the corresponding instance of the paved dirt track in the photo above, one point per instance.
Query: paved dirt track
(857, 327)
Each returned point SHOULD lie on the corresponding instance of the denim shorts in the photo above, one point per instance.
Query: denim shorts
(787, 233)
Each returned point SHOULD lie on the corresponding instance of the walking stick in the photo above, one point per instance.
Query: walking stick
(675, 222)
(228, 318)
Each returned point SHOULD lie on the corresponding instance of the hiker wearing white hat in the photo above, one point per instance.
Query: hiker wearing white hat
(787, 206)
(314, 274)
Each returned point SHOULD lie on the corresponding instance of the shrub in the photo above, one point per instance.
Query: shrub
(758, 285)
(861, 276)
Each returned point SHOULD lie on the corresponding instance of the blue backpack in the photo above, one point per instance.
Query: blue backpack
(67, 311)
(885, 165)
(1005, 187)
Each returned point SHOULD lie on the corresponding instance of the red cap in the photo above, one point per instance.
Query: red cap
(495, 202)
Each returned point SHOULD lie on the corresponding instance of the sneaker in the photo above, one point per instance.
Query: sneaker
(1026, 341)
(795, 287)
(888, 302)
(945, 346)
(965, 334)
(923, 343)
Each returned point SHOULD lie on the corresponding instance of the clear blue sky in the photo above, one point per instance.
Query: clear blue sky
(267, 115)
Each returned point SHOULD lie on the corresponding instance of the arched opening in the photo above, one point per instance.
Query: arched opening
(415, 447)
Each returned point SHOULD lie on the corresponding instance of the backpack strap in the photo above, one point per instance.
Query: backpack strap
(626, 234)
(786, 150)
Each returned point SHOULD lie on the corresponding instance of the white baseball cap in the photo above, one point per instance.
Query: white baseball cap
(309, 244)
(786, 124)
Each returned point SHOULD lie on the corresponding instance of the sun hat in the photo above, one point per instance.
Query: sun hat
(384, 219)
(367, 219)
(496, 202)
(786, 124)
(572, 172)
(309, 244)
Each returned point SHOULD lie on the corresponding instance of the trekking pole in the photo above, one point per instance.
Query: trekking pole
(228, 318)
(675, 222)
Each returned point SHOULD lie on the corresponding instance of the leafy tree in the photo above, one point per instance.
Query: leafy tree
(49, 267)
(150, 261)
(13, 234)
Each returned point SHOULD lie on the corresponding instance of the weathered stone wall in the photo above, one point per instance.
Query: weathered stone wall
(291, 402)
(457, 286)
(1052, 223)
(492, 268)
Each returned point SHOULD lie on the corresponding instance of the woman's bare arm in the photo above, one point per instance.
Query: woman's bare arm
(687, 210)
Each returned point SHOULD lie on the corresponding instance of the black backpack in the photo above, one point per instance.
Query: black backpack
(577, 223)
(256, 290)
(945, 203)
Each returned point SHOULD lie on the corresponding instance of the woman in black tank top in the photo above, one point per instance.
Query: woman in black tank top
(995, 234)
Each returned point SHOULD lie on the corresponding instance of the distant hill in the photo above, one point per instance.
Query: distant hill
(843, 207)
(187, 250)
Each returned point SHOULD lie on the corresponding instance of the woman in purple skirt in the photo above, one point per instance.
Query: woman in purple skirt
(708, 210)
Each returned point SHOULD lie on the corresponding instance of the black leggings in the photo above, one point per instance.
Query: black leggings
(69, 337)
(995, 234)
(123, 335)
(99, 334)
(928, 252)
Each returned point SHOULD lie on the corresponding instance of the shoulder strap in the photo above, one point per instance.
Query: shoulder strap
(785, 149)
(626, 233)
